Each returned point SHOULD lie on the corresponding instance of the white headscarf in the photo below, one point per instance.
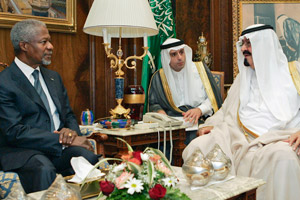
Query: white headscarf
(194, 91)
(273, 77)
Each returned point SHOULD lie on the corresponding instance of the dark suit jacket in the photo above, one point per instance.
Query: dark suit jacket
(24, 121)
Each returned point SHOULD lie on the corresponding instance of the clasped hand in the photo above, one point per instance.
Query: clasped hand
(68, 137)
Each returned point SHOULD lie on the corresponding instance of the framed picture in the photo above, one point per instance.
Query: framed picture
(282, 15)
(59, 15)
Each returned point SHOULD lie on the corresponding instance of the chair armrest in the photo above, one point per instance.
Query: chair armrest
(89, 132)
(100, 138)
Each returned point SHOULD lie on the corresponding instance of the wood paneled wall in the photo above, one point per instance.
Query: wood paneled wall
(214, 19)
(81, 61)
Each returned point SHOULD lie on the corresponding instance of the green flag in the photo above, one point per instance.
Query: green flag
(163, 15)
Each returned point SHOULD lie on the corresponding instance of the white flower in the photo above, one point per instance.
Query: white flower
(154, 173)
(119, 167)
(170, 181)
(134, 185)
(144, 156)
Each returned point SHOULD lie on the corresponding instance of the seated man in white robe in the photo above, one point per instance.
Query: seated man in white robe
(257, 124)
(183, 88)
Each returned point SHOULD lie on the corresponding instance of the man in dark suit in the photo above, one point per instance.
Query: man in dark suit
(39, 133)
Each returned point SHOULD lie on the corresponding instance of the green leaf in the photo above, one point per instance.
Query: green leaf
(134, 167)
(128, 146)
(122, 194)
(175, 194)
(100, 195)
(150, 172)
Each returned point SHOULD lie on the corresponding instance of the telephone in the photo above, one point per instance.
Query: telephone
(161, 119)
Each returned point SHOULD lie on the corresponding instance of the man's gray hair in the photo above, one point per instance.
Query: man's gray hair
(24, 31)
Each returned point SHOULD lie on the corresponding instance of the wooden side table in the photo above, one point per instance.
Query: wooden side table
(139, 137)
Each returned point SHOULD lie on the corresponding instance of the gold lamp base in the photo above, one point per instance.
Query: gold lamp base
(117, 62)
(119, 111)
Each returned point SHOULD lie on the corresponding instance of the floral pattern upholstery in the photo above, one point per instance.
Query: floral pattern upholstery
(7, 181)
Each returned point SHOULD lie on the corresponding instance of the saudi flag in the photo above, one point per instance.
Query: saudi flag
(163, 15)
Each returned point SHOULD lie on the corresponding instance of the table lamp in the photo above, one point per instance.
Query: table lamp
(120, 19)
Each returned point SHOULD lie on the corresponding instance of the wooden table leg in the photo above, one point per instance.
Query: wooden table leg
(122, 147)
(178, 148)
(249, 195)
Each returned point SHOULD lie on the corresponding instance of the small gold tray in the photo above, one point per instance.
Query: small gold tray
(90, 188)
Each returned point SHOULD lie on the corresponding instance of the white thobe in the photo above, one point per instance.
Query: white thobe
(266, 157)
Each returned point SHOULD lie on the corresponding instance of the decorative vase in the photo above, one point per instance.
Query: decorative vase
(197, 169)
(220, 162)
(134, 98)
(87, 117)
(116, 123)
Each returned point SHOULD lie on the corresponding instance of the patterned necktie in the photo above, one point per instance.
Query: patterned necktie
(40, 91)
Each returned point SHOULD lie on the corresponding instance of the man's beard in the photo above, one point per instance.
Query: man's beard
(246, 63)
(46, 62)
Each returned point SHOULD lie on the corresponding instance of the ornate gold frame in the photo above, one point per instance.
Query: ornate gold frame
(68, 25)
(237, 22)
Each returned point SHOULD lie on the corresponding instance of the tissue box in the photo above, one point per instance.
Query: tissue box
(90, 189)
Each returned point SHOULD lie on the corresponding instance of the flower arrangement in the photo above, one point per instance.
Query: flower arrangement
(140, 175)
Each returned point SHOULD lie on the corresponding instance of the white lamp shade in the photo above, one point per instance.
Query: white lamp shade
(133, 16)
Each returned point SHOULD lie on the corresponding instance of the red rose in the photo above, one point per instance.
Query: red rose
(157, 192)
(106, 187)
(137, 155)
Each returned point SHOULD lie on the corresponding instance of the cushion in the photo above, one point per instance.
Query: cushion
(94, 144)
(104, 165)
(217, 78)
(7, 181)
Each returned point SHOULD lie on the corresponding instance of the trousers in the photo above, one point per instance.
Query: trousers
(40, 170)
